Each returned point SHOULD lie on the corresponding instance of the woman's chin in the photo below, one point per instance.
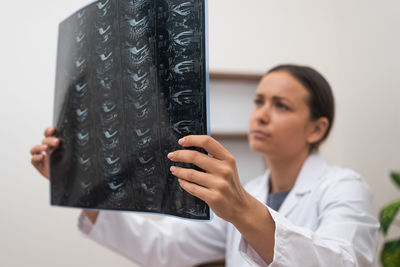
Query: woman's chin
(260, 147)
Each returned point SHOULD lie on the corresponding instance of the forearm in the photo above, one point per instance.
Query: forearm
(258, 228)
(158, 243)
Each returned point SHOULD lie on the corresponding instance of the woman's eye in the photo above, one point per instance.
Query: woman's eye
(282, 106)
(258, 102)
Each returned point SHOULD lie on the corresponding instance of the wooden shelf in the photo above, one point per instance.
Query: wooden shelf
(235, 76)
(229, 135)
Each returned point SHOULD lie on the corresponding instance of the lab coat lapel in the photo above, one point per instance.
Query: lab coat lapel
(311, 170)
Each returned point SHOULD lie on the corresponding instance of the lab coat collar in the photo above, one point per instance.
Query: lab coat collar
(311, 170)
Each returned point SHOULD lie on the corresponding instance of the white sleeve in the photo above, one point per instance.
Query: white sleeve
(347, 234)
(168, 242)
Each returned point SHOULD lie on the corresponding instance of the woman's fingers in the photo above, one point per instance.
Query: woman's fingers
(40, 152)
(193, 176)
(37, 159)
(49, 131)
(39, 162)
(208, 143)
(195, 190)
(199, 159)
(47, 143)
(51, 141)
(38, 149)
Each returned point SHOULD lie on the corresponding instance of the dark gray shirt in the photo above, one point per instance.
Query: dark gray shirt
(275, 200)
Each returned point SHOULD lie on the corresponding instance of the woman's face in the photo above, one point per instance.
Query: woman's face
(280, 124)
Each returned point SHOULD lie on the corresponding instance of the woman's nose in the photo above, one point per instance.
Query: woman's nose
(263, 115)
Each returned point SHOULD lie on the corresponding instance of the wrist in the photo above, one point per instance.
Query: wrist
(244, 212)
(91, 215)
(250, 214)
(257, 227)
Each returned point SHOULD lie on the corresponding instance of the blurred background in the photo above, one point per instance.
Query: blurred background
(354, 44)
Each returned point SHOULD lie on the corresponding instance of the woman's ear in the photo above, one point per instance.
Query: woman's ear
(318, 130)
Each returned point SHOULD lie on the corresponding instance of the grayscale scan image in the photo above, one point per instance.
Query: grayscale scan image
(131, 81)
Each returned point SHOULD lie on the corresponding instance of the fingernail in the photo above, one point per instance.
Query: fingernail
(44, 147)
(172, 169)
(181, 141)
(170, 155)
(55, 142)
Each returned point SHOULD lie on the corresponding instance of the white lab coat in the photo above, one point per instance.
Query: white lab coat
(326, 220)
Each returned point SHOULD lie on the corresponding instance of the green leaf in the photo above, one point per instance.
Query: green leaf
(390, 255)
(388, 213)
(396, 178)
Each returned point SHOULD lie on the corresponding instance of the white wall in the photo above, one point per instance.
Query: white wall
(355, 44)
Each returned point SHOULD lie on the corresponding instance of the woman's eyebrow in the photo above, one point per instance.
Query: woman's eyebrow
(281, 98)
(274, 98)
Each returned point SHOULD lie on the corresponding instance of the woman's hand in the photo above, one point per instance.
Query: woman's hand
(219, 186)
(41, 153)
(41, 161)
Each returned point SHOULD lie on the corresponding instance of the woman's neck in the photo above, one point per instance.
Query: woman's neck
(283, 172)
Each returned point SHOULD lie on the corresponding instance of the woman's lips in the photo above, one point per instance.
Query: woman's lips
(260, 134)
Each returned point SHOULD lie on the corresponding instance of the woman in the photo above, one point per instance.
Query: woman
(300, 212)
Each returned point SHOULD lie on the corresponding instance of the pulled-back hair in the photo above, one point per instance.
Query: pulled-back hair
(321, 101)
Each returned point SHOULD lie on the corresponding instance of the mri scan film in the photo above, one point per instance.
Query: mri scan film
(131, 81)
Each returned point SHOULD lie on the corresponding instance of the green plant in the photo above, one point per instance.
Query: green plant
(390, 255)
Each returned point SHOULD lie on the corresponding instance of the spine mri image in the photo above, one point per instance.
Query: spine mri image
(131, 81)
